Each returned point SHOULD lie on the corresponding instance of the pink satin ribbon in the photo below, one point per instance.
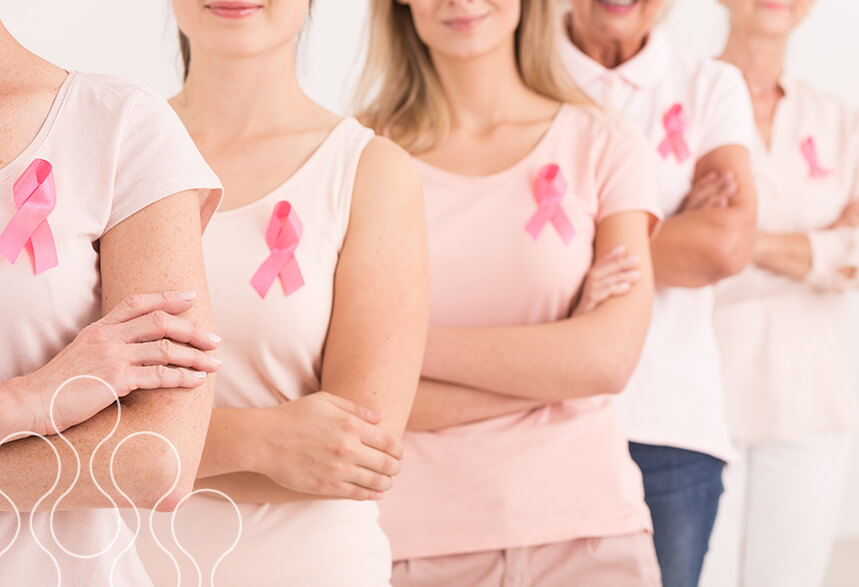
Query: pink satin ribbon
(674, 122)
(809, 151)
(282, 236)
(35, 196)
(549, 190)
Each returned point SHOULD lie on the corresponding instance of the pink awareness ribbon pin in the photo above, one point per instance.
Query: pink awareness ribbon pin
(809, 151)
(674, 122)
(35, 196)
(282, 236)
(549, 190)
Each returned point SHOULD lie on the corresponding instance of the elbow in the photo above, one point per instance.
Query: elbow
(732, 254)
(615, 372)
(161, 487)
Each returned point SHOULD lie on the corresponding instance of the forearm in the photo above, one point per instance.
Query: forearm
(17, 407)
(443, 405)
(785, 254)
(145, 468)
(254, 488)
(701, 247)
(229, 446)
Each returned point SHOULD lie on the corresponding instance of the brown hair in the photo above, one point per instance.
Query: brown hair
(400, 95)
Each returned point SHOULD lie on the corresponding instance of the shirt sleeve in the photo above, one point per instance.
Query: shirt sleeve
(157, 158)
(833, 250)
(627, 180)
(727, 115)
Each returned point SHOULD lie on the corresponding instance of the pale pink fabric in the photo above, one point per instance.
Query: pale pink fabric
(550, 474)
(786, 353)
(272, 353)
(615, 561)
(675, 396)
(115, 148)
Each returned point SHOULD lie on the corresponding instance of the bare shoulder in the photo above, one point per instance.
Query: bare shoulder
(386, 172)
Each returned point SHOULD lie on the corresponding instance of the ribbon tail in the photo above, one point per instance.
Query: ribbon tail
(665, 148)
(18, 232)
(564, 227)
(538, 220)
(681, 149)
(291, 278)
(44, 248)
(266, 275)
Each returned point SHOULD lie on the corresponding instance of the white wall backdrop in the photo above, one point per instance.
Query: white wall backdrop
(137, 39)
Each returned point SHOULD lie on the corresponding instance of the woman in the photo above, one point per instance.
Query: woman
(102, 200)
(696, 116)
(320, 246)
(516, 470)
(782, 324)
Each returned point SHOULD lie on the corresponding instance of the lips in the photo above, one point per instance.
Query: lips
(233, 9)
(618, 6)
(465, 23)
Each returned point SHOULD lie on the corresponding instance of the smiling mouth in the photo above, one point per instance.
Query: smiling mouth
(466, 23)
(233, 9)
(618, 6)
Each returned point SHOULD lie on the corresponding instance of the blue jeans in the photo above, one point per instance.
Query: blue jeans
(682, 489)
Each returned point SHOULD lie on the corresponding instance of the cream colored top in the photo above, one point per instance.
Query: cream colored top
(786, 358)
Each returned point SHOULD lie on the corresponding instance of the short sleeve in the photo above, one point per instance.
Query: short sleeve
(627, 181)
(727, 117)
(156, 159)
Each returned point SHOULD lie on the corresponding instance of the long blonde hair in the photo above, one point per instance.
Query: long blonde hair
(400, 94)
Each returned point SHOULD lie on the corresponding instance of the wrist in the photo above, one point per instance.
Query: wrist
(247, 434)
(22, 407)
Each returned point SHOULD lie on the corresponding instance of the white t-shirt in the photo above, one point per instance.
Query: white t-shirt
(674, 397)
(115, 148)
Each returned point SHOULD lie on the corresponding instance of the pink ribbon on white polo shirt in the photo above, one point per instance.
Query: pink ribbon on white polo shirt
(549, 190)
(809, 151)
(35, 196)
(282, 237)
(674, 122)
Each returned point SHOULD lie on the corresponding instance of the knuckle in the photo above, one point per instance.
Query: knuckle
(159, 320)
(164, 349)
(133, 302)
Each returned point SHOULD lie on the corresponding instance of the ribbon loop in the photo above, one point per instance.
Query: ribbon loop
(282, 237)
(549, 190)
(674, 122)
(35, 197)
(809, 152)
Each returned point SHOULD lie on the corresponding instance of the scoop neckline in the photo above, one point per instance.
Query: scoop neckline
(316, 154)
(427, 169)
(17, 164)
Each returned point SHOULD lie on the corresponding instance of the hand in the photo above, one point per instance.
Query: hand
(134, 346)
(323, 444)
(613, 275)
(712, 190)
(849, 217)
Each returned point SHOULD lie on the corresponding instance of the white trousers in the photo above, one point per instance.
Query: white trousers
(779, 514)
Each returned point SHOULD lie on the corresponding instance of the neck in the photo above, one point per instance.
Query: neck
(761, 59)
(484, 91)
(11, 50)
(233, 98)
(609, 53)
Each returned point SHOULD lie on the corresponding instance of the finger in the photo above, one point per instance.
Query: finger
(625, 264)
(161, 377)
(620, 288)
(167, 352)
(369, 479)
(376, 438)
(377, 461)
(160, 324)
(141, 304)
(356, 492)
(363, 412)
(707, 179)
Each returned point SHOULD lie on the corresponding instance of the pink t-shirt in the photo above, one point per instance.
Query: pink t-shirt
(549, 474)
(115, 148)
(272, 352)
(675, 395)
(786, 353)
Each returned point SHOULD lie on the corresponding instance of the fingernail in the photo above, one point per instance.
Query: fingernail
(214, 337)
(635, 259)
(187, 295)
(624, 286)
(200, 374)
(215, 360)
(634, 274)
(379, 495)
(374, 414)
(618, 249)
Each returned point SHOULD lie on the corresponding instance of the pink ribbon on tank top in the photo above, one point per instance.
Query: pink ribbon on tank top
(674, 122)
(549, 190)
(809, 151)
(282, 237)
(35, 196)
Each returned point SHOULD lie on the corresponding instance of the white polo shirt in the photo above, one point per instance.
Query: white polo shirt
(674, 397)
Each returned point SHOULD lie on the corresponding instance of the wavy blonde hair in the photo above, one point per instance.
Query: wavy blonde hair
(400, 94)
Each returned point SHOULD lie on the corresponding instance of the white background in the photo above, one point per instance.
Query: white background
(137, 39)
